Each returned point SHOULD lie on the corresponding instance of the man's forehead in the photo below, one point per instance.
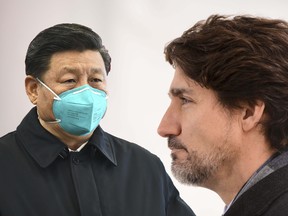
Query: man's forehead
(72, 69)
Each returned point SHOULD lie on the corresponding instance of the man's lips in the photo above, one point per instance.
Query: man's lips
(178, 153)
(176, 150)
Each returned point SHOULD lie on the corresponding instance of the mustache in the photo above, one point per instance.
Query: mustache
(175, 143)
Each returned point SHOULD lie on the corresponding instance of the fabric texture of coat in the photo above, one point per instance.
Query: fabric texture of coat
(268, 197)
(108, 177)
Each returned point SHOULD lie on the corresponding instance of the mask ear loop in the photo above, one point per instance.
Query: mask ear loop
(56, 97)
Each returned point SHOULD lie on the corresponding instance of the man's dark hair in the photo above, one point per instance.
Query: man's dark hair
(244, 59)
(60, 38)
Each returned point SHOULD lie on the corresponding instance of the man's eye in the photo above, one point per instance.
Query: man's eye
(184, 100)
(70, 81)
(96, 80)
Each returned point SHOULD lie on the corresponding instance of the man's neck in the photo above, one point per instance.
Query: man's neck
(228, 182)
(72, 142)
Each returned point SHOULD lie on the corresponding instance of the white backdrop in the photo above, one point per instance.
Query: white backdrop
(135, 32)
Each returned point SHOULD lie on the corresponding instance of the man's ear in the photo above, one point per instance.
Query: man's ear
(252, 115)
(31, 85)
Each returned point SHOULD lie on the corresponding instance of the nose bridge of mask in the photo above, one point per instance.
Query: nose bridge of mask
(48, 88)
(92, 90)
(86, 88)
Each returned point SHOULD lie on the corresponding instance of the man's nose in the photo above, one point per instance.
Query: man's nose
(169, 124)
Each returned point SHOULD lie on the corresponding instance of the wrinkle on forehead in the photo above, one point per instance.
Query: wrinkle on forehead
(71, 69)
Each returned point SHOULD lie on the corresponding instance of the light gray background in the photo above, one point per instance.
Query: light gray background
(135, 32)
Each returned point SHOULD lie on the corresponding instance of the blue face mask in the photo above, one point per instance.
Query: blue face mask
(78, 111)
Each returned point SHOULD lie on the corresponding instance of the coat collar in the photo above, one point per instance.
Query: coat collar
(45, 147)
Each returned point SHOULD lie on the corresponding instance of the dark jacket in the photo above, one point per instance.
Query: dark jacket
(108, 177)
(269, 197)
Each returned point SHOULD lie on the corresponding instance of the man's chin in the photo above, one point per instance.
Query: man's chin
(180, 174)
(185, 174)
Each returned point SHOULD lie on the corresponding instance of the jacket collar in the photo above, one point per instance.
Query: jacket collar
(45, 147)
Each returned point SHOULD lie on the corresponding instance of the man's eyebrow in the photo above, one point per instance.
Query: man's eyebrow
(68, 69)
(175, 92)
(97, 70)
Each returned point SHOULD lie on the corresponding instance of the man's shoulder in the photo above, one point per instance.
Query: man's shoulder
(275, 189)
(266, 197)
(279, 206)
(128, 149)
(126, 145)
(10, 150)
(7, 140)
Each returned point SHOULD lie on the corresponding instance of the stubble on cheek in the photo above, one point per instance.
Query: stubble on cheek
(192, 171)
(194, 168)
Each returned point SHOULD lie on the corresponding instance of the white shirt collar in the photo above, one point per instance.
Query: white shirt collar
(79, 148)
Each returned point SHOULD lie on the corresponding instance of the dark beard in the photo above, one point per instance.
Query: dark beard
(187, 173)
(196, 169)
